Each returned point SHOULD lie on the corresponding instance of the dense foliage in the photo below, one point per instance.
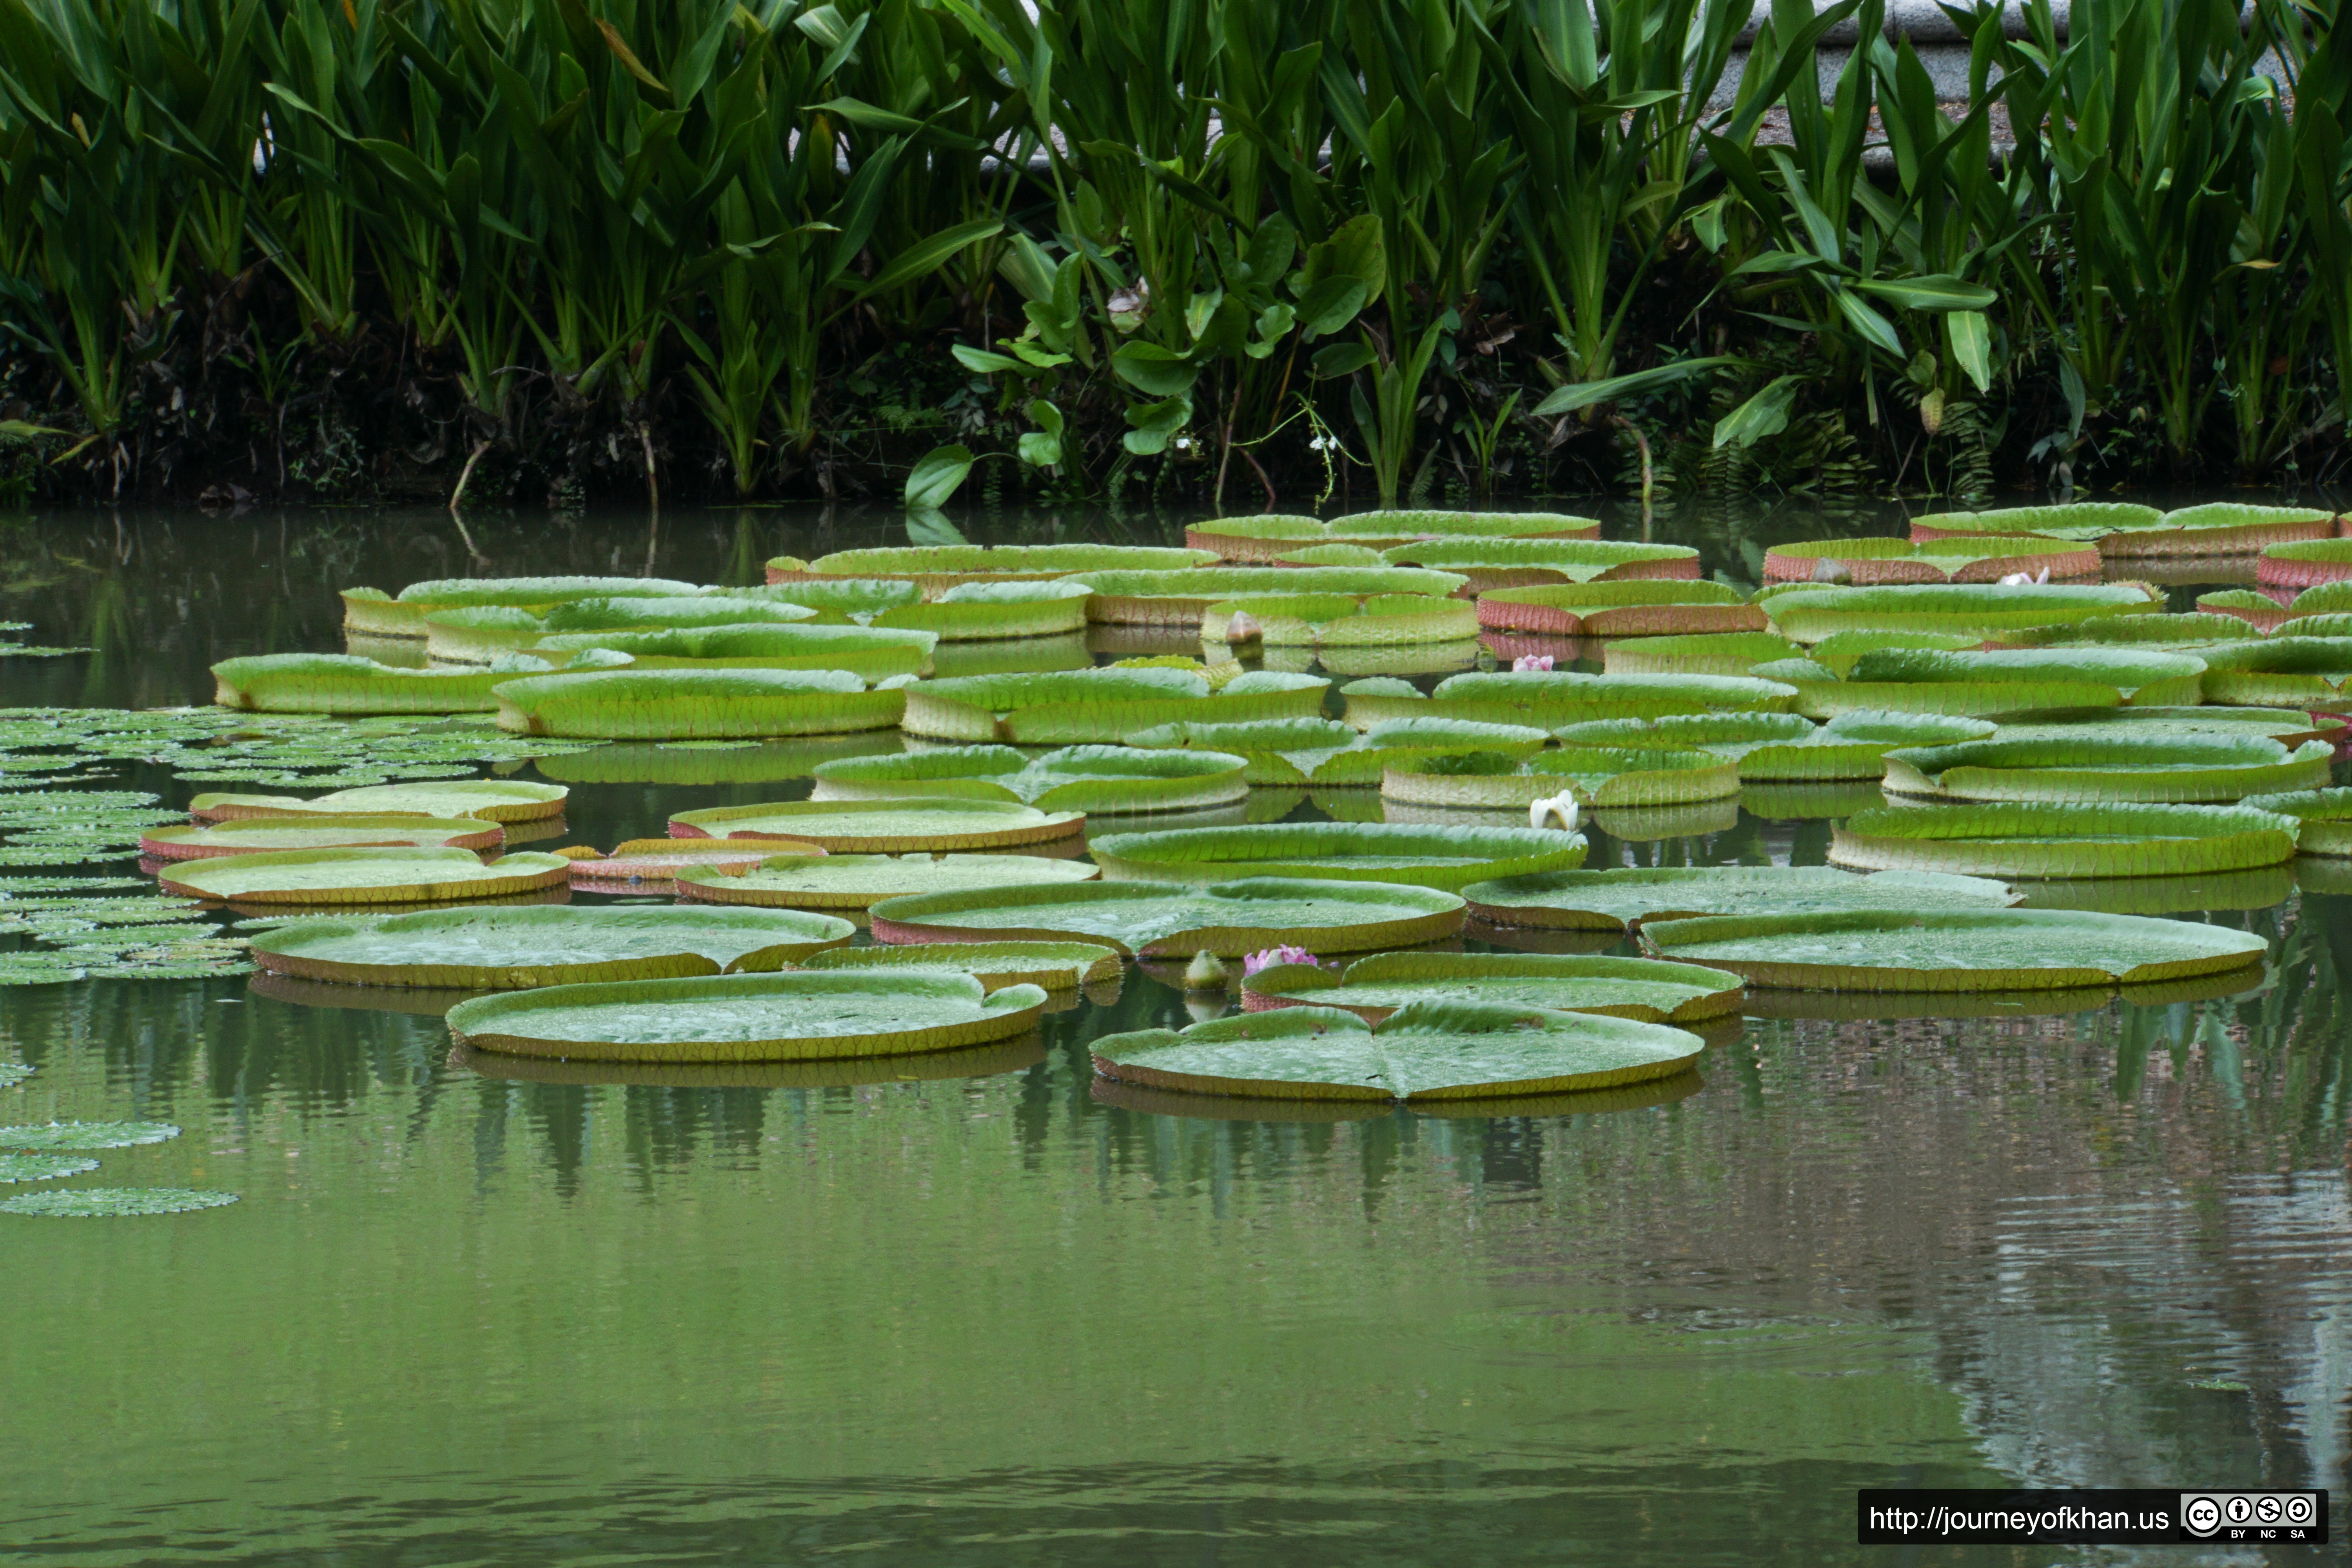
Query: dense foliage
(1405, 247)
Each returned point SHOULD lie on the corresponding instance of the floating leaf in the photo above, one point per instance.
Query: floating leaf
(680, 704)
(1052, 965)
(1326, 752)
(1495, 564)
(1548, 698)
(856, 882)
(1614, 899)
(1444, 857)
(1147, 920)
(487, 800)
(374, 613)
(1259, 539)
(2107, 764)
(343, 683)
(935, 568)
(1181, 598)
(1097, 706)
(14, 1073)
(1338, 620)
(79, 1135)
(366, 876)
(1593, 775)
(1952, 558)
(322, 830)
(1621, 987)
(1984, 609)
(846, 826)
(870, 653)
(2040, 840)
(1077, 778)
(1637, 608)
(108, 1203)
(42, 1167)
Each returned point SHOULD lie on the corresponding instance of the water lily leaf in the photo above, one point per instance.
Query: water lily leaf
(2325, 815)
(1425, 1050)
(2014, 840)
(1444, 857)
(1075, 778)
(503, 949)
(1181, 598)
(1594, 775)
(859, 827)
(935, 568)
(2081, 520)
(1268, 537)
(2104, 764)
(1097, 706)
(1953, 558)
(108, 1203)
(42, 1167)
(504, 801)
(1051, 965)
(1147, 920)
(1549, 698)
(803, 1015)
(1636, 608)
(682, 704)
(344, 683)
(652, 865)
(1810, 614)
(497, 634)
(56, 1136)
(2139, 675)
(1713, 653)
(364, 876)
(1617, 898)
(1374, 987)
(1898, 950)
(856, 882)
(319, 830)
(370, 611)
(1497, 563)
(870, 653)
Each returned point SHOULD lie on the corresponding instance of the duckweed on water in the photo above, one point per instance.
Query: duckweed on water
(108, 1203)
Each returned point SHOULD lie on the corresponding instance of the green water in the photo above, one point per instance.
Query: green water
(462, 1320)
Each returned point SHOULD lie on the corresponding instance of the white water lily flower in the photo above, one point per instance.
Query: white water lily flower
(1243, 628)
(1561, 805)
(2019, 580)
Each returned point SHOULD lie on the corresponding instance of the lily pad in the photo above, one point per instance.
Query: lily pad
(1717, 653)
(482, 635)
(365, 876)
(2083, 522)
(1497, 563)
(517, 948)
(1426, 1051)
(866, 652)
(42, 1167)
(1619, 899)
(1277, 619)
(1158, 919)
(1051, 965)
(935, 568)
(652, 865)
(1078, 778)
(1443, 857)
(1247, 539)
(2304, 672)
(1853, 745)
(319, 830)
(1097, 706)
(2325, 815)
(2013, 840)
(344, 683)
(1898, 950)
(1374, 987)
(1949, 558)
(724, 761)
(370, 611)
(1640, 608)
(856, 882)
(989, 1061)
(2108, 764)
(67, 1136)
(110, 1203)
(1983, 609)
(685, 704)
(1326, 753)
(803, 1015)
(1182, 598)
(486, 800)
(878, 827)
(1548, 698)
(1593, 775)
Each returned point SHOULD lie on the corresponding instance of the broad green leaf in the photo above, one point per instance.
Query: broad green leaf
(935, 476)
(1161, 920)
(365, 877)
(1443, 857)
(850, 881)
(1621, 988)
(848, 826)
(1614, 899)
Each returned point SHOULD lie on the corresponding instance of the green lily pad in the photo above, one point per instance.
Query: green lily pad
(1713, 653)
(1326, 753)
(803, 1015)
(1149, 919)
(1984, 609)
(869, 653)
(71, 1136)
(1621, 988)
(2108, 766)
(1051, 965)
(1077, 778)
(487, 633)
(685, 704)
(1951, 558)
(109, 1203)
(2037, 840)
(1268, 537)
(1637, 608)
(1097, 706)
(712, 762)
(935, 568)
(1425, 1050)
(2325, 816)
(1615, 899)
(322, 830)
(344, 683)
(43, 1167)
(1444, 858)
(1546, 699)
(1180, 599)
(1593, 775)
(556, 944)
(991, 611)
(863, 827)
(1492, 563)
(858, 882)
(370, 611)
(1900, 949)
(2081, 521)
(1279, 619)
(364, 876)
(38, 969)
(2283, 671)
(485, 800)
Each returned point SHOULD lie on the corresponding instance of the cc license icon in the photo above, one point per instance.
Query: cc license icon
(2300, 1509)
(2200, 1515)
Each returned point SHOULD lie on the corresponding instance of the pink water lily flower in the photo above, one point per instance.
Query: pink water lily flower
(1272, 955)
(1538, 663)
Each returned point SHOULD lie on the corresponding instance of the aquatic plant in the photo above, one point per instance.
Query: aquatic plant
(1373, 988)
(1444, 857)
(2107, 764)
(1590, 775)
(1145, 920)
(680, 704)
(1050, 965)
(319, 830)
(1946, 558)
(2040, 841)
(1097, 706)
(858, 882)
(1619, 899)
(345, 683)
(488, 800)
(1075, 778)
(1549, 699)
(1338, 620)
(365, 877)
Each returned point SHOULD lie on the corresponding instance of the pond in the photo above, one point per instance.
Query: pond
(458, 1317)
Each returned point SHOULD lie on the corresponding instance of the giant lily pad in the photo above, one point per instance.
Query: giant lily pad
(652, 865)
(1617, 899)
(1549, 698)
(1182, 598)
(2325, 816)
(1267, 538)
(1497, 563)
(1051, 965)
(1097, 706)
(1374, 987)
(1637, 608)
(1822, 693)
(370, 611)
(109, 1203)
(989, 1060)
(487, 800)
(504, 949)
(856, 882)
(2304, 672)
(2108, 764)
(1161, 921)
(1711, 653)
(2148, 675)
(869, 652)
(481, 635)
(804, 1015)
(43, 1167)
(1446, 858)
(365, 877)
(935, 568)
(319, 830)
(1949, 558)
(981, 612)
(1853, 745)
(711, 762)
(1338, 620)
(1594, 775)
(2041, 841)
(2183, 634)
(1899, 950)
(1981, 609)
(345, 683)
(2079, 522)
(877, 827)
(2124, 530)
(1424, 1051)
(1326, 753)
(678, 704)
(1077, 778)
(73, 1136)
